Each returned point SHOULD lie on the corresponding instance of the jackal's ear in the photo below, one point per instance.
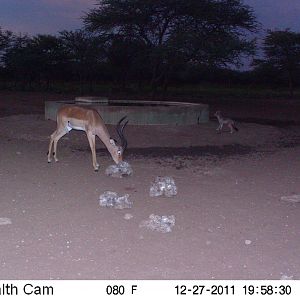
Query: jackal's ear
(112, 141)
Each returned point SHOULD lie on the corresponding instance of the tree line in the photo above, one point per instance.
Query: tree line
(152, 43)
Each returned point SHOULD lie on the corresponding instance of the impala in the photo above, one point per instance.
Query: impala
(87, 119)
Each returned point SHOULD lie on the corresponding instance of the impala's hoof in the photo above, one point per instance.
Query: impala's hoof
(96, 170)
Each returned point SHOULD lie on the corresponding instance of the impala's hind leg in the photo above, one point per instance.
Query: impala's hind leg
(56, 137)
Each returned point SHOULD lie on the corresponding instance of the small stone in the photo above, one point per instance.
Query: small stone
(128, 216)
(291, 198)
(5, 221)
(286, 277)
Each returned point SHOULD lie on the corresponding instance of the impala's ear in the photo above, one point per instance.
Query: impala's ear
(112, 141)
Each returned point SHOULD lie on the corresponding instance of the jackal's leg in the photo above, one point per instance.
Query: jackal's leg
(219, 129)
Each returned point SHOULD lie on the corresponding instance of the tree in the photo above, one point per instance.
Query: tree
(39, 58)
(281, 55)
(84, 51)
(177, 31)
(5, 40)
(17, 59)
(49, 56)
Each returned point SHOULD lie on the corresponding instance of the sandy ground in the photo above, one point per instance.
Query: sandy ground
(230, 221)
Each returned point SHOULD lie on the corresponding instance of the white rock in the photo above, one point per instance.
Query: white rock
(291, 198)
(286, 277)
(5, 221)
(128, 216)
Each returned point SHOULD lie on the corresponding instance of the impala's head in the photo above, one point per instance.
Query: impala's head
(118, 150)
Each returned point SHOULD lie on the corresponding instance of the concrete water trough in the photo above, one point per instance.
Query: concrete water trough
(138, 112)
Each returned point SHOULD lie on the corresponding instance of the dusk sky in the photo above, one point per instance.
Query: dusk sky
(51, 16)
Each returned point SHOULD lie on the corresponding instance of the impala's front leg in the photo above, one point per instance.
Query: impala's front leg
(92, 142)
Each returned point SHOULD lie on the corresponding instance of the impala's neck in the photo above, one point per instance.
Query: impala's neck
(105, 138)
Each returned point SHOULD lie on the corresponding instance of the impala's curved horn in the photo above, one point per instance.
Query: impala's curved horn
(120, 131)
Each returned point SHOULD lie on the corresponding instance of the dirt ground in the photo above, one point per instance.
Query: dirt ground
(230, 220)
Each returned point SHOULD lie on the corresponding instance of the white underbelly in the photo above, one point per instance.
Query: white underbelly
(71, 126)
